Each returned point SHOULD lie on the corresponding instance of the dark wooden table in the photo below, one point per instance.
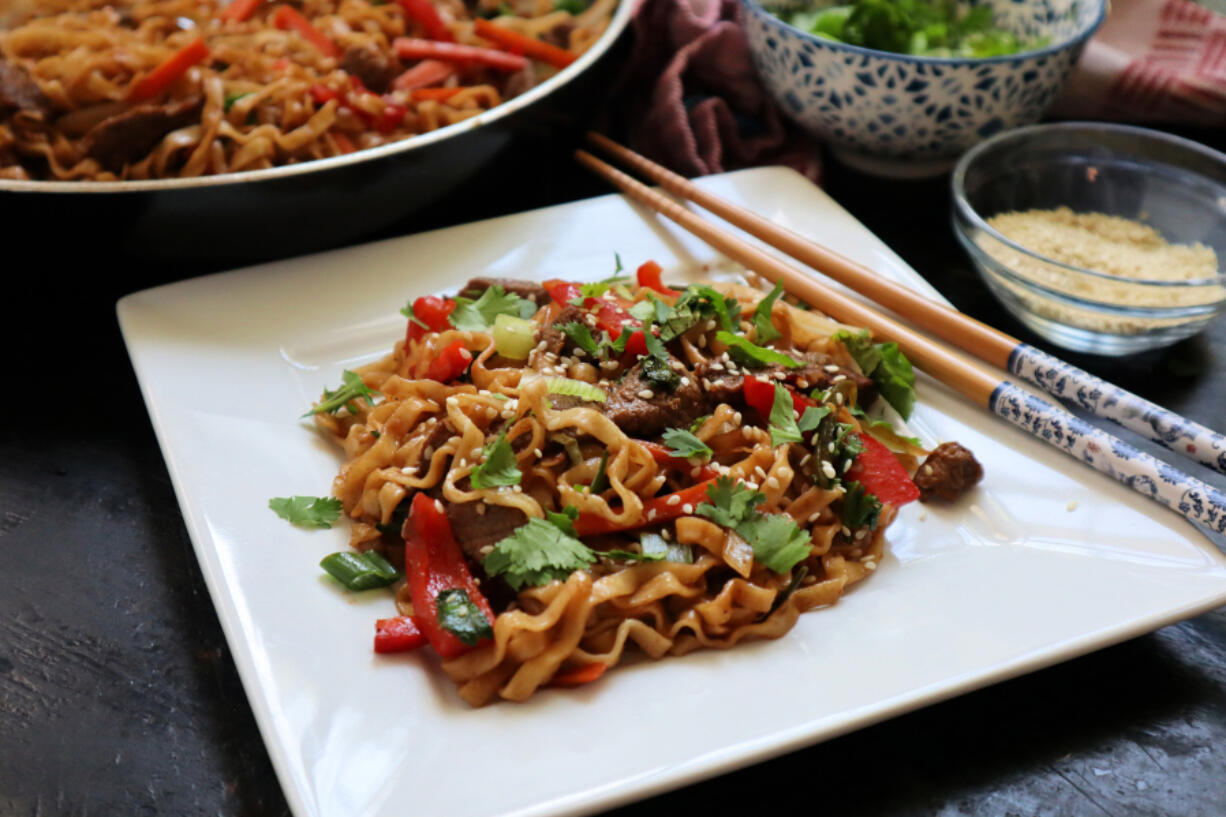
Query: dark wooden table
(118, 695)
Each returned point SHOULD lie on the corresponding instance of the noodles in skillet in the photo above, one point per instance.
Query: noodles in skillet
(565, 472)
(149, 89)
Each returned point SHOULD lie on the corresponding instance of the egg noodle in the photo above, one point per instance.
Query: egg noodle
(719, 582)
(150, 89)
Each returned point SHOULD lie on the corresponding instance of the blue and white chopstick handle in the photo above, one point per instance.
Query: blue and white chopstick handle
(1104, 399)
(1189, 496)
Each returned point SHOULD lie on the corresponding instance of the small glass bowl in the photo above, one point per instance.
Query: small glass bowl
(1174, 185)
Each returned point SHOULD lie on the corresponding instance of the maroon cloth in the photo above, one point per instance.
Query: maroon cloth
(691, 99)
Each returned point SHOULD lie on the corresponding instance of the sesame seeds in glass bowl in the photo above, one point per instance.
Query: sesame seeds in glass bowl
(1100, 238)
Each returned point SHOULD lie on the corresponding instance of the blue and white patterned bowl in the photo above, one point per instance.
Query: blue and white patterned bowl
(903, 116)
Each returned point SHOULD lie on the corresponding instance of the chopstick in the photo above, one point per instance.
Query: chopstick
(1035, 366)
(1194, 499)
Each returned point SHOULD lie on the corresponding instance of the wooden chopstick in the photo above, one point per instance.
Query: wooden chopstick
(1197, 501)
(1048, 372)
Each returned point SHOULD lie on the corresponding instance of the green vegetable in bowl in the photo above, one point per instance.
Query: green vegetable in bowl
(921, 28)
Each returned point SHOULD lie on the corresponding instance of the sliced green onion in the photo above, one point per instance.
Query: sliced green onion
(576, 388)
(513, 337)
(359, 571)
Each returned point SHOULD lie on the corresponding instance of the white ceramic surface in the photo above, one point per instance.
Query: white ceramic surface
(1011, 579)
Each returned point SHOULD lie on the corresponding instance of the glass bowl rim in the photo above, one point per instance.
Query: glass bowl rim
(966, 211)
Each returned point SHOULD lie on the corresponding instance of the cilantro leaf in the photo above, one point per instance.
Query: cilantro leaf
(812, 418)
(352, 389)
(458, 615)
(886, 365)
(616, 276)
(617, 347)
(655, 368)
(564, 521)
(777, 541)
(860, 508)
(536, 554)
(729, 502)
(783, 425)
(643, 311)
(498, 466)
(591, 290)
(307, 511)
(683, 444)
(581, 336)
(479, 315)
(751, 355)
(764, 330)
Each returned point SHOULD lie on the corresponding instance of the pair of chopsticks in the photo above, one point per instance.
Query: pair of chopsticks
(1199, 502)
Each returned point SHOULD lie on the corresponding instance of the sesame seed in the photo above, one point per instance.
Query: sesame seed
(838, 378)
(665, 535)
(716, 367)
(651, 514)
(710, 325)
(452, 401)
(507, 414)
(519, 489)
(751, 485)
(428, 454)
(702, 341)
(830, 447)
(813, 517)
(1072, 506)
(870, 566)
(685, 382)
(688, 508)
(795, 414)
(846, 464)
(608, 365)
(536, 452)
(409, 469)
(805, 459)
(491, 413)
(579, 353)
(802, 383)
(838, 398)
(706, 384)
(927, 469)
(540, 347)
(589, 319)
(846, 531)
(923, 514)
(694, 472)
(830, 367)
(485, 550)
(736, 418)
(860, 533)
(674, 500)
(772, 483)
(646, 394)
(734, 371)
(757, 469)
(480, 509)
(779, 376)
(828, 470)
(438, 506)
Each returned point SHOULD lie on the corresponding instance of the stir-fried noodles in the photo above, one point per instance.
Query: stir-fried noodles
(149, 89)
(566, 471)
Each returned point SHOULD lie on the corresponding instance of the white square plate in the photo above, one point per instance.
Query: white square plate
(1015, 577)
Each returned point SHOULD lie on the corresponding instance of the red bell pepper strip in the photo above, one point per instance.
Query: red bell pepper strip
(412, 48)
(239, 10)
(660, 453)
(760, 394)
(397, 635)
(433, 563)
(426, 72)
(609, 316)
(438, 94)
(649, 276)
(450, 363)
(427, 16)
(665, 508)
(582, 675)
(386, 121)
(173, 67)
(287, 18)
(518, 43)
(433, 311)
(882, 475)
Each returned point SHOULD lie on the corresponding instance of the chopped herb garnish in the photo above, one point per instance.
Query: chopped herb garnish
(783, 425)
(751, 355)
(632, 556)
(231, 99)
(643, 311)
(359, 571)
(658, 373)
(793, 586)
(537, 554)
(812, 418)
(458, 615)
(618, 346)
(885, 427)
(498, 465)
(683, 444)
(574, 7)
(698, 421)
(860, 508)
(886, 365)
(564, 521)
(777, 541)
(307, 511)
(351, 391)
(479, 315)
(699, 302)
(764, 330)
